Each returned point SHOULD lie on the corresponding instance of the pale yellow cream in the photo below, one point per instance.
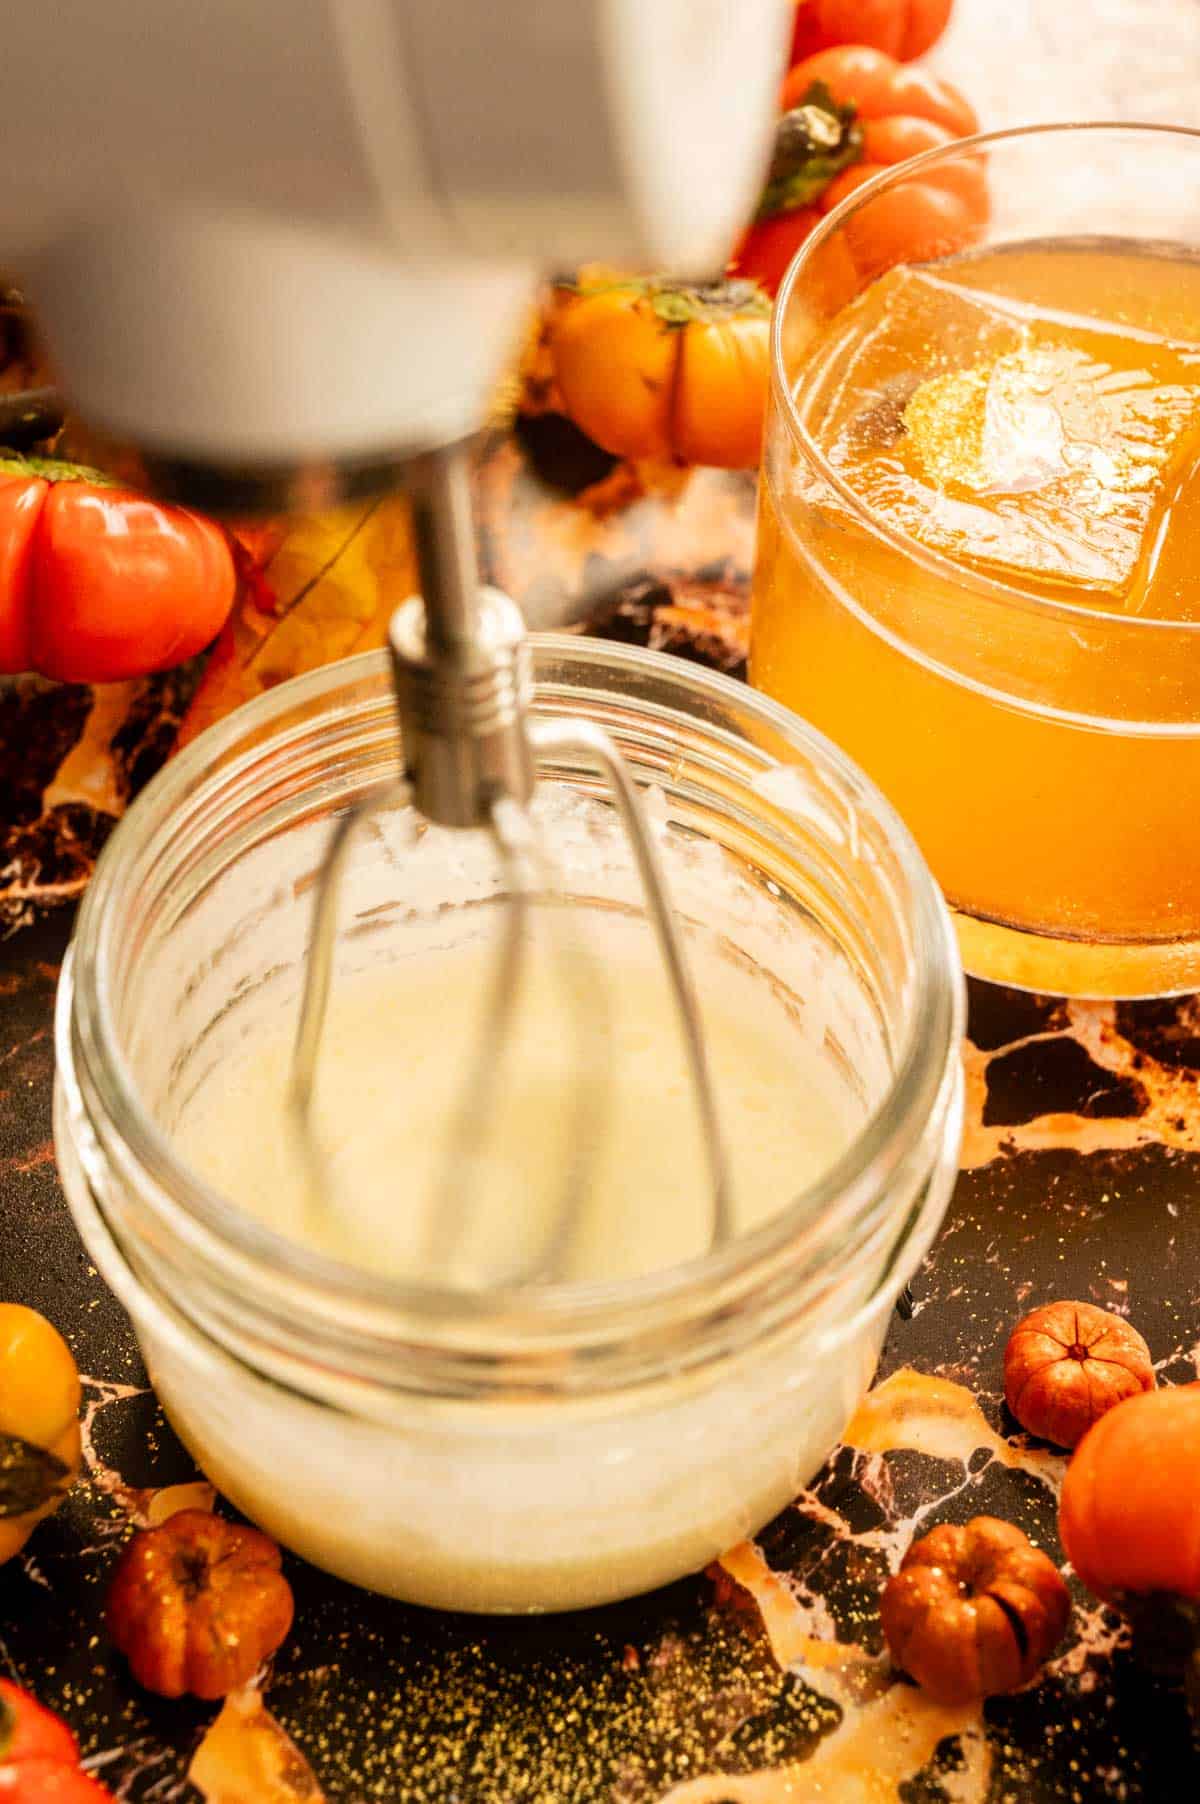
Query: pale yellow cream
(593, 1080)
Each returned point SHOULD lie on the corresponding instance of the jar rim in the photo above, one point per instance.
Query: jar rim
(989, 589)
(88, 1035)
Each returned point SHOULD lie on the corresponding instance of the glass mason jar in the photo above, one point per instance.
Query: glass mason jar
(541, 1447)
(1041, 740)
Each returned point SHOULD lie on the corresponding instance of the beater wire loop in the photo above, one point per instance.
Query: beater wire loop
(587, 740)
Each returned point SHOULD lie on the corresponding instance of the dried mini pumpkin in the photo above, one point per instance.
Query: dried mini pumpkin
(1066, 1364)
(197, 1604)
(973, 1610)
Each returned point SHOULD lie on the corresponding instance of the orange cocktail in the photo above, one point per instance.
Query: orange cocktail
(979, 554)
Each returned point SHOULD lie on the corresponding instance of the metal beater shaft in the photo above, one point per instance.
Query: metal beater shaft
(463, 690)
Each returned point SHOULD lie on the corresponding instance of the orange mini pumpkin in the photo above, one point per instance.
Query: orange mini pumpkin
(848, 114)
(39, 1423)
(1129, 1514)
(1067, 1363)
(197, 1604)
(39, 1756)
(879, 87)
(654, 369)
(903, 28)
(1129, 1518)
(973, 1610)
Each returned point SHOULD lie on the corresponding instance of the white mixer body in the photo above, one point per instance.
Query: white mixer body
(263, 231)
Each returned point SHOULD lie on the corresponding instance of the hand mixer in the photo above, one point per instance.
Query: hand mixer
(284, 250)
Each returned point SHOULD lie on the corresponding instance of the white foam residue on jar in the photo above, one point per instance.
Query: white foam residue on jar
(790, 790)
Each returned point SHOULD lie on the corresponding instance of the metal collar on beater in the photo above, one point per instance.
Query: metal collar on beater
(464, 687)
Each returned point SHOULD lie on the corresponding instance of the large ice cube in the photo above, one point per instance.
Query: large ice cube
(908, 327)
(1025, 439)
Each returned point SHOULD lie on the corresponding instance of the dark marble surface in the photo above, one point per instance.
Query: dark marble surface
(1068, 1190)
(763, 1681)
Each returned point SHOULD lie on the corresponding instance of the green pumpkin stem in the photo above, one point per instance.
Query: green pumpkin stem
(813, 142)
(682, 303)
(52, 469)
(29, 1476)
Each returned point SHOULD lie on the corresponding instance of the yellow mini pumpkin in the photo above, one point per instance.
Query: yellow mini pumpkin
(653, 369)
(39, 1423)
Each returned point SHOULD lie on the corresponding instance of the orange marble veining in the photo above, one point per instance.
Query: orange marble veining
(788, 1625)
(247, 1757)
(161, 1505)
(939, 1418)
(1170, 1096)
(89, 773)
(863, 1761)
(140, 1506)
(889, 1729)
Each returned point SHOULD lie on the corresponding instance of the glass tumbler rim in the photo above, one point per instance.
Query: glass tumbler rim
(989, 589)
